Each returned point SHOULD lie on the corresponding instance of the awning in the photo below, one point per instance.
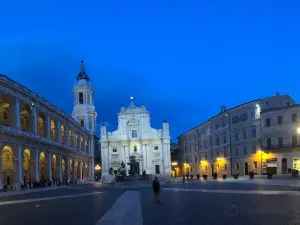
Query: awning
(272, 164)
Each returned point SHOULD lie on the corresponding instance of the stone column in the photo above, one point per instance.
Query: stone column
(34, 167)
(80, 170)
(67, 135)
(67, 161)
(74, 169)
(35, 121)
(58, 167)
(58, 131)
(49, 155)
(48, 127)
(74, 139)
(144, 158)
(90, 170)
(20, 165)
(17, 114)
(149, 159)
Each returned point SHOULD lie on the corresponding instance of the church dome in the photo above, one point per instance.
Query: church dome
(82, 74)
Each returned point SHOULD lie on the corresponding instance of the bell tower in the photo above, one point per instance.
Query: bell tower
(83, 94)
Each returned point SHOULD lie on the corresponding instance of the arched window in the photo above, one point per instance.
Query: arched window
(80, 97)
(81, 121)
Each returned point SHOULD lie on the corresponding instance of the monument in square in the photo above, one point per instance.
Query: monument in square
(141, 148)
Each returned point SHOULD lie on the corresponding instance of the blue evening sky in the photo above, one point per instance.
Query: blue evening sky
(182, 59)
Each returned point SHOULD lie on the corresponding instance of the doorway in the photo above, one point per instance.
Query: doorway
(246, 168)
(212, 169)
(284, 165)
(157, 169)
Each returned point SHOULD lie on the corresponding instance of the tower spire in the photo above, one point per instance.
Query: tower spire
(82, 74)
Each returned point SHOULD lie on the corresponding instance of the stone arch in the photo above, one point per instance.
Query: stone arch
(41, 124)
(62, 133)
(8, 170)
(71, 137)
(42, 168)
(26, 165)
(82, 144)
(53, 167)
(5, 110)
(81, 121)
(26, 114)
(52, 130)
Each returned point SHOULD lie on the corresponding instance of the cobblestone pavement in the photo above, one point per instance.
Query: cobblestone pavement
(133, 203)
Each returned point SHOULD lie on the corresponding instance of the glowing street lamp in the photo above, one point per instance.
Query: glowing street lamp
(97, 167)
(174, 163)
(298, 130)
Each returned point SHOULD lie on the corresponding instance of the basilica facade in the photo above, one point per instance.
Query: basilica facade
(136, 138)
(38, 141)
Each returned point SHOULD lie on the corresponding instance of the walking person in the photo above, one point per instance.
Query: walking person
(156, 189)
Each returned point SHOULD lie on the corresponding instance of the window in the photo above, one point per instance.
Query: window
(5, 115)
(217, 126)
(196, 159)
(255, 165)
(267, 103)
(200, 145)
(205, 155)
(294, 117)
(269, 142)
(114, 150)
(280, 142)
(205, 144)
(225, 167)
(294, 141)
(80, 97)
(237, 166)
(268, 122)
(253, 149)
(210, 129)
(245, 150)
(236, 136)
(81, 120)
(237, 151)
(218, 153)
(253, 132)
(211, 141)
(135, 149)
(218, 141)
(253, 115)
(224, 139)
(235, 119)
(155, 147)
(244, 135)
(279, 119)
(225, 152)
(244, 117)
(224, 123)
(134, 134)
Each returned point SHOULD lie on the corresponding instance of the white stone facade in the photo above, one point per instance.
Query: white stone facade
(136, 137)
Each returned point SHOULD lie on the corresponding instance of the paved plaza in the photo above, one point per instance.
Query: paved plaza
(196, 202)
